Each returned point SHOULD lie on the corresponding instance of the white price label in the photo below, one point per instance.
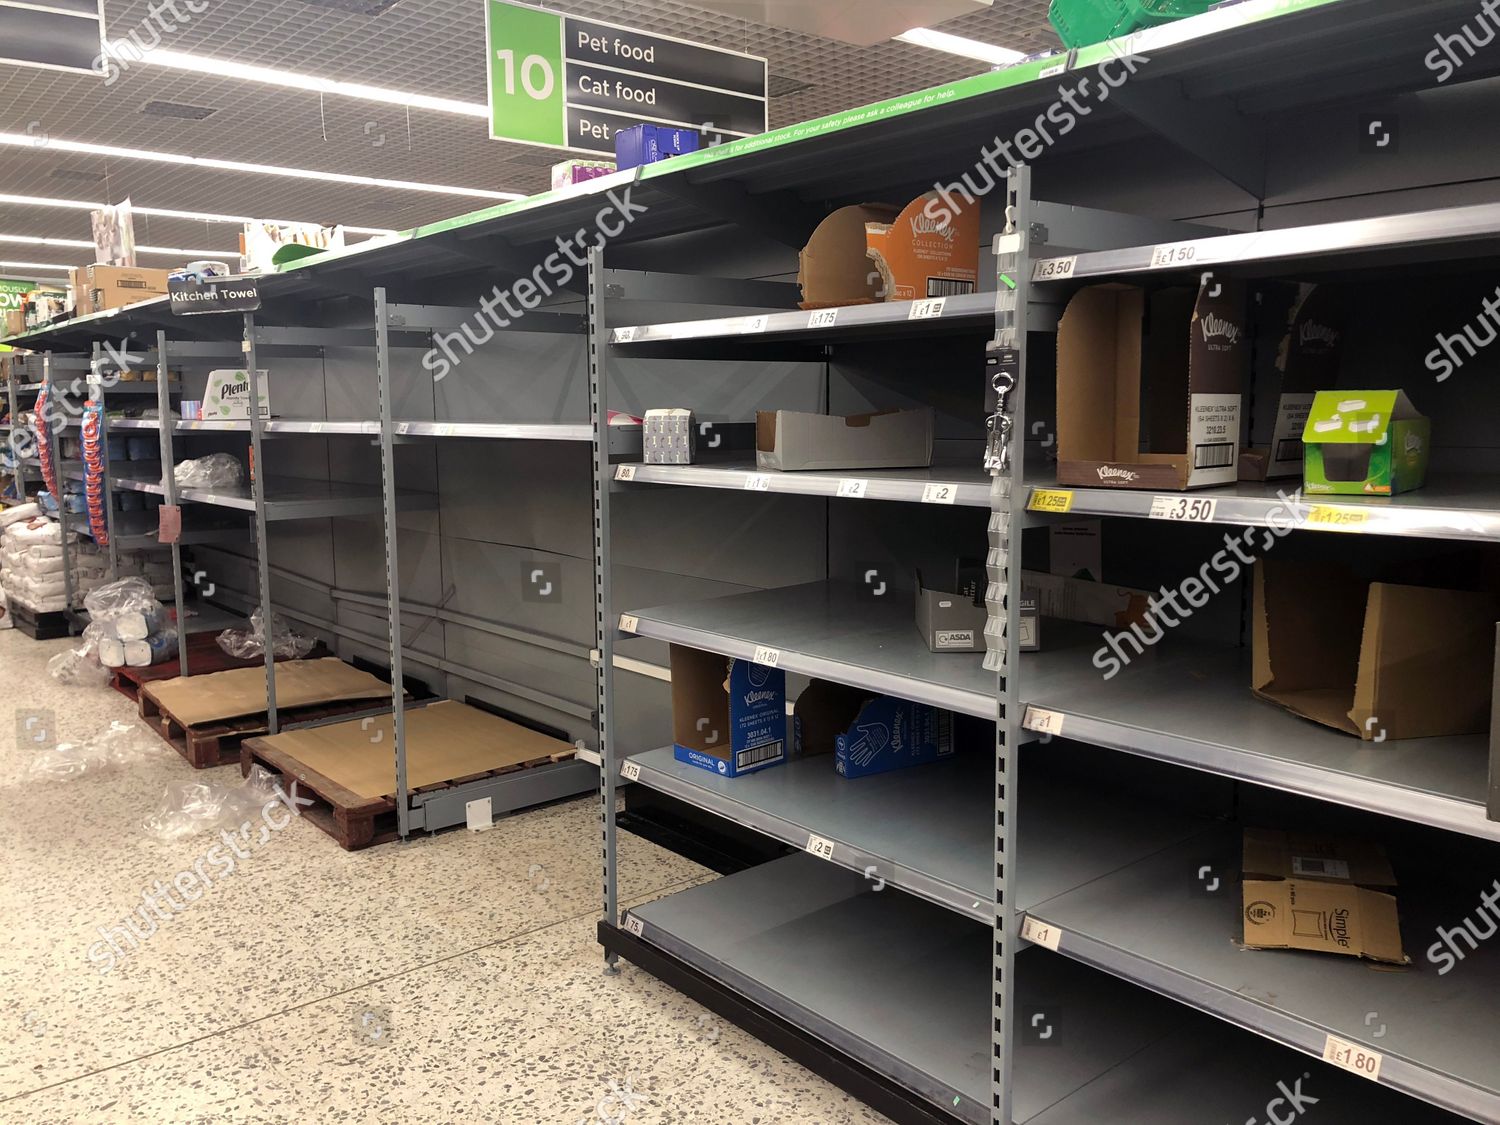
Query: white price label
(403, 427)
(625, 472)
(1053, 71)
(770, 657)
(624, 335)
(1189, 509)
(936, 493)
(634, 925)
(752, 325)
(1351, 1056)
(1040, 933)
(629, 623)
(823, 318)
(1054, 269)
(1174, 255)
(757, 482)
(929, 309)
(1043, 722)
(317, 428)
(631, 771)
(446, 429)
(820, 847)
(853, 489)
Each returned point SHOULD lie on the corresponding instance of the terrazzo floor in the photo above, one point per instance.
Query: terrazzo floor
(452, 979)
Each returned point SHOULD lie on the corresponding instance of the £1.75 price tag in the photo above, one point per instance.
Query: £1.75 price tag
(630, 771)
(634, 925)
(823, 318)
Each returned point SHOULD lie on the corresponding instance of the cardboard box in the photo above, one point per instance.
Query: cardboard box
(570, 172)
(15, 322)
(1372, 659)
(950, 622)
(1078, 599)
(1320, 893)
(228, 395)
(647, 144)
(1076, 550)
(110, 287)
(78, 282)
(728, 716)
(1307, 362)
(886, 439)
(1149, 386)
(869, 733)
(870, 252)
(669, 437)
(1365, 443)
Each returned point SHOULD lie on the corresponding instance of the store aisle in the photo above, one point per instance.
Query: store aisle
(453, 979)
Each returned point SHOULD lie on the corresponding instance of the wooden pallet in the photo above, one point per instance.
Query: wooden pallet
(40, 626)
(204, 656)
(206, 745)
(353, 821)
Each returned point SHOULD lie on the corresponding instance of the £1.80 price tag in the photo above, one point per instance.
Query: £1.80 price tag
(1040, 933)
(770, 657)
(625, 472)
(1351, 1056)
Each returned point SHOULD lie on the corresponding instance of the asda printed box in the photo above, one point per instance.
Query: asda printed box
(228, 395)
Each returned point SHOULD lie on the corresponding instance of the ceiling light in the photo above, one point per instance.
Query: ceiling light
(35, 266)
(161, 212)
(178, 60)
(21, 140)
(81, 244)
(958, 45)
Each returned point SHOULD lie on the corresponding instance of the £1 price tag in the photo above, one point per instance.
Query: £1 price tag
(1041, 933)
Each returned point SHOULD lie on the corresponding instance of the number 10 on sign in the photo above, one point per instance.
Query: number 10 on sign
(527, 101)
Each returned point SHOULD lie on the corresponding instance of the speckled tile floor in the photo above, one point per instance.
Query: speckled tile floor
(452, 979)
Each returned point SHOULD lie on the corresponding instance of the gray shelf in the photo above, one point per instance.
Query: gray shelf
(1416, 236)
(969, 482)
(1190, 704)
(928, 830)
(1145, 924)
(835, 631)
(511, 431)
(1447, 507)
(904, 988)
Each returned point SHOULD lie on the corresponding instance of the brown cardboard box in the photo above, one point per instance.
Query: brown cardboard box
(15, 322)
(1307, 362)
(1320, 893)
(1149, 386)
(886, 439)
(110, 287)
(728, 716)
(78, 279)
(1373, 659)
(872, 252)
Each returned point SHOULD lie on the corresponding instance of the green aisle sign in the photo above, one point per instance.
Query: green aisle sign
(572, 83)
(11, 291)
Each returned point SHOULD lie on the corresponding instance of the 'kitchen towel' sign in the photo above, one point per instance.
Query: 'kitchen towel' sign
(217, 295)
(564, 82)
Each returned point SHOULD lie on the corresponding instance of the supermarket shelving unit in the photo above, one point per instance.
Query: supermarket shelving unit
(971, 859)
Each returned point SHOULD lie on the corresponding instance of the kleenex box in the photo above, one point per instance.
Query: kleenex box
(728, 716)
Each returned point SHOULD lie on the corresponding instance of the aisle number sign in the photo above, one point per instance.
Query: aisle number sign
(563, 82)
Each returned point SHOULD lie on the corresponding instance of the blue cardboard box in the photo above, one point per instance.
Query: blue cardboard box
(646, 144)
(892, 734)
(728, 716)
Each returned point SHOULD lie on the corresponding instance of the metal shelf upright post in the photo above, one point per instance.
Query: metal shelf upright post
(169, 491)
(258, 494)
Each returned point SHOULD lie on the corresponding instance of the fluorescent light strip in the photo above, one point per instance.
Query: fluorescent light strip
(958, 45)
(222, 68)
(34, 266)
(198, 216)
(21, 140)
(83, 244)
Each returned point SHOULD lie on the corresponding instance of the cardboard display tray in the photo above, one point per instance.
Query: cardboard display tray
(348, 769)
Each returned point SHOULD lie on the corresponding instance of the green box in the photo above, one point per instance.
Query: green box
(1364, 443)
(1082, 23)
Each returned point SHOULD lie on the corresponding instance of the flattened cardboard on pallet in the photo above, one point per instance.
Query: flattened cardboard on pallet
(444, 741)
(886, 439)
(872, 252)
(238, 692)
(1321, 893)
(1307, 362)
(1372, 659)
(728, 716)
(1361, 443)
(1149, 386)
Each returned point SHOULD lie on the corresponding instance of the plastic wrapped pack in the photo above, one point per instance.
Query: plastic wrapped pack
(217, 470)
(248, 644)
(128, 628)
(191, 808)
(118, 745)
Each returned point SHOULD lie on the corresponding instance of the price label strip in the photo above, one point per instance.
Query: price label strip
(823, 318)
(625, 472)
(820, 847)
(927, 310)
(1040, 933)
(1054, 269)
(631, 771)
(629, 623)
(1351, 1056)
(853, 489)
(1050, 500)
(1189, 509)
(937, 493)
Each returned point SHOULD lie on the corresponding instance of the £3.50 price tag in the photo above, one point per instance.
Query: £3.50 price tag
(1192, 509)
(1054, 269)
(1040, 933)
(820, 847)
(1351, 1056)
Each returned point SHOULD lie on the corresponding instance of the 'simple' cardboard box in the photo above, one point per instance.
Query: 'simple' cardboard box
(1149, 386)
(1307, 362)
(1320, 893)
(1365, 443)
(887, 439)
(110, 287)
(728, 716)
(869, 733)
(1372, 659)
(871, 252)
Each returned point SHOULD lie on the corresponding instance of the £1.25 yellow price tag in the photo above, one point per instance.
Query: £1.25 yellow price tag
(1050, 500)
(1326, 516)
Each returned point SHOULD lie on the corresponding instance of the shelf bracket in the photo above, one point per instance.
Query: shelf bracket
(1210, 130)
